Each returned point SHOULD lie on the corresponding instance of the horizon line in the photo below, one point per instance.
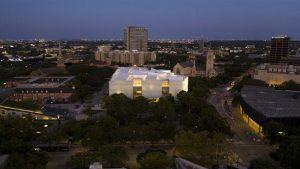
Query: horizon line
(121, 39)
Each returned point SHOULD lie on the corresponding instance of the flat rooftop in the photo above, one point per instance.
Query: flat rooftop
(50, 80)
(130, 73)
(15, 79)
(279, 68)
(272, 103)
(45, 82)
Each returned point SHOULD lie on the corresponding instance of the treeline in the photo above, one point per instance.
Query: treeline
(248, 80)
(16, 136)
(289, 85)
(88, 79)
(140, 120)
(12, 69)
(287, 139)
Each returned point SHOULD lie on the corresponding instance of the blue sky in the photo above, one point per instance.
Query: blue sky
(105, 19)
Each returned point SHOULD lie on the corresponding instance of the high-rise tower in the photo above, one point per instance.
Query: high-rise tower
(60, 59)
(201, 45)
(136, 38)
(279, 49)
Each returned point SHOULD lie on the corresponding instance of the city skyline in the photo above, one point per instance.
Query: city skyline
(174, 19)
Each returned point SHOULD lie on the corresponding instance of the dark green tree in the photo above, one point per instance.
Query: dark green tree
(154, 160)
(32, 160)
(289, 85)
(261, 164)
(120, 107)
(83, 160)
(101, 133)
(247, 80)
(204, 147)
(113, 156)
(275, 131)
(162, 111)
(15, 133)
(289, 153)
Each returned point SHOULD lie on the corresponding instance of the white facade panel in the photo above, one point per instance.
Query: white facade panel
(121, 86)
(178, 86)
(151, 82)
(152, 88)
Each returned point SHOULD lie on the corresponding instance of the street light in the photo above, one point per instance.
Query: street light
(58, 119)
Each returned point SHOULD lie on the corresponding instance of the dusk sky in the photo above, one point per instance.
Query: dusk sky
(176, 19)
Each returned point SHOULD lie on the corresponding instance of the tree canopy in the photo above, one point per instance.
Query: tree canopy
(32, 160)
(261, 164)
(153, 159)
(203, 147)
(289, 85)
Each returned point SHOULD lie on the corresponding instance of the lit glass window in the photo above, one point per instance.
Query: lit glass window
(165, 83)
(137, 82)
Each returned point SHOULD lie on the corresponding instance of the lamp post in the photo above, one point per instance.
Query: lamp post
(58, 119)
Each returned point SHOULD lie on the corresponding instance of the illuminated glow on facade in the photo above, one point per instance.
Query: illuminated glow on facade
(261, 105)
(37, 115)
(277, 74)
(251, 123)
(136, 81)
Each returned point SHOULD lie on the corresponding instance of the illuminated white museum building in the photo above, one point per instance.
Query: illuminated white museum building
(150, 83)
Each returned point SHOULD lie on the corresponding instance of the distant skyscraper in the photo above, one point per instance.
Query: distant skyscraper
(279, 49)
(210, 60)
(201, 45)
(136, 38)
(60, 59)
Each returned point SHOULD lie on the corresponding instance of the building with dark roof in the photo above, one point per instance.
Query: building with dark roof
(262, 104)
(43, 89)
(187, 68)
(186, 64)
(13, 82)
(48, 71)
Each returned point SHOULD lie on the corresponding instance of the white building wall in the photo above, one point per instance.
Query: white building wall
(275, 78)
(178, 86)
(152, 88)
(151, 82)
(121, 86)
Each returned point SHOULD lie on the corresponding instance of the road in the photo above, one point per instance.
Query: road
(58, 160)
(78, 107)
(98, 96)
(244, 145)
(184, 164)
